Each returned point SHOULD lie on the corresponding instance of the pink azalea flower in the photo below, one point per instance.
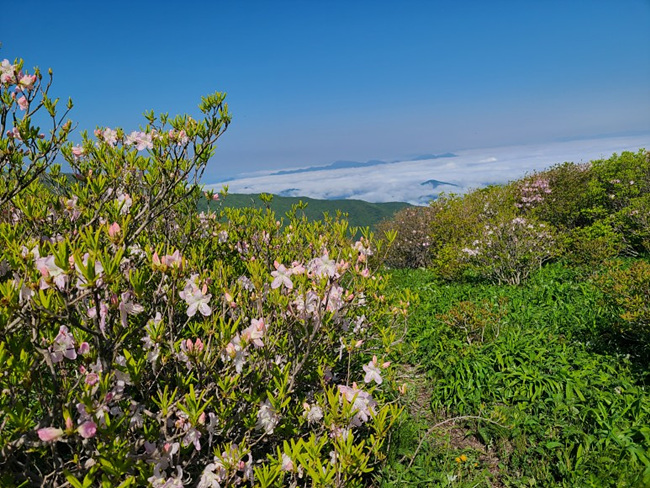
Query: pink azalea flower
(182, 137)
(287, 463)
(14, 134)
(281, 276)
(49, 434)
(78, 151)
(236, 353)
(27, 81)
(124, 202)
(63, 346)
(255, 332)
(267, 418)
(109, 136)
(192, 437)
(114, 229)
(128, 307)
(140, 140)
(196, 299)
(51, 272)
(362, 402)
(23, 104)
(174, 260)
(88, 429)
(7, 75)
(91, 379)
(322, 267)
(373, 373)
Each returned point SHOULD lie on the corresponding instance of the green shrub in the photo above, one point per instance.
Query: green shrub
(461, 220)
(508, 250)
(592, 245)
(620, 179)
(539, 404)
(627, 290)
(633, 225)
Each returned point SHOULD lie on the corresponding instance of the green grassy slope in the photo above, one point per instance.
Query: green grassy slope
(360, 213)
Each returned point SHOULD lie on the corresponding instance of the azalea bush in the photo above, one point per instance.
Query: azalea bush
(462, 221)
(142, 343)
(411, 242)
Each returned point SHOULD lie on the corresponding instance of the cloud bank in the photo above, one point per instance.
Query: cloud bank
(404, 181)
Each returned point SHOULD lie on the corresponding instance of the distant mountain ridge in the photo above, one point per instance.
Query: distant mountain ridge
(436, 183)
(359, 164)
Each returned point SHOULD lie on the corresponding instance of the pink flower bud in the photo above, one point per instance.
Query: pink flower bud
(114, 229)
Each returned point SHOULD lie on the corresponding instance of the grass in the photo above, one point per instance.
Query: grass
(517, 386)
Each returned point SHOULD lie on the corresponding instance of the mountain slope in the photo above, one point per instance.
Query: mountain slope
(360, 213)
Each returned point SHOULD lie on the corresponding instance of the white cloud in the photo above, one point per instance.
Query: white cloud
(403, 181)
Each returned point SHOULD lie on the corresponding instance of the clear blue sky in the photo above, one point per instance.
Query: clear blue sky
(310, 82)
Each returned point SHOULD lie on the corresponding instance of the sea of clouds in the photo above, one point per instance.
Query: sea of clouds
(405, 181)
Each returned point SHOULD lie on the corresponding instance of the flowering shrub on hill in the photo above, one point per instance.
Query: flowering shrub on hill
(584, 213)
(411, 242)
(143, 344)
(508, 250)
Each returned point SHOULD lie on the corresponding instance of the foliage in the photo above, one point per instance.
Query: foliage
(585, 213)
(541, 403)
(508, 250)
(143, 343)
(626, 290)
(565, 197)
(592, 245)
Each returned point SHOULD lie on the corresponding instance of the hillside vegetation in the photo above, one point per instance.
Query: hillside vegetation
(530, 335)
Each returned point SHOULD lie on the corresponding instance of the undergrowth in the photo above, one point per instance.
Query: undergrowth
(518, 386)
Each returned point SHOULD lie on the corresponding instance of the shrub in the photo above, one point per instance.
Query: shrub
(475, 322)
(410, 248)
(460, 220)
(633, 225)
(141, 343)
(592, 245)
(627, 292)
(559, 195)
(621, 178)
(508, 250)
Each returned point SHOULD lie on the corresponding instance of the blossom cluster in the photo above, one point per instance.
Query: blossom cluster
(23, 84)
(533, 192)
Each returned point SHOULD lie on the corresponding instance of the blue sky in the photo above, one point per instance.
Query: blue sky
(310, 82)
